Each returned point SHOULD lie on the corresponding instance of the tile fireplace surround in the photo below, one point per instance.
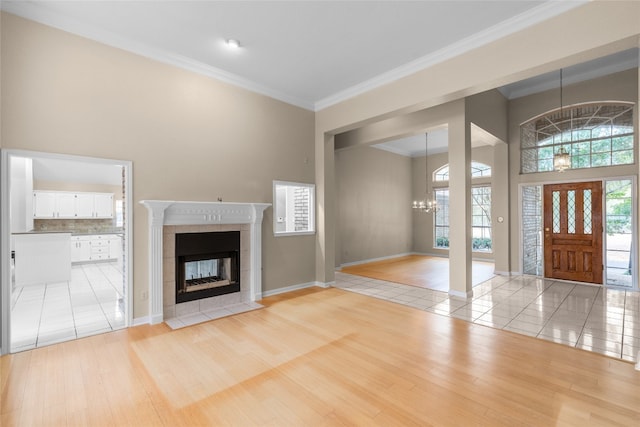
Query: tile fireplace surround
(166, 218)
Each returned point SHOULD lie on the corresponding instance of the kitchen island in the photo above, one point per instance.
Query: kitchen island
(42, 257)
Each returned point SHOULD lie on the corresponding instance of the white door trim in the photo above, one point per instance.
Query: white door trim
(635, 271)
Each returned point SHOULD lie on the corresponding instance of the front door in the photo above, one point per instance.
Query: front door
(573, 231)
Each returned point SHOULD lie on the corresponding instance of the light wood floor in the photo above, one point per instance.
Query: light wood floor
(418, 270)
(318, 357)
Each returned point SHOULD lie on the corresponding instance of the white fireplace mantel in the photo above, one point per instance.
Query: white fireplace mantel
(167, 212)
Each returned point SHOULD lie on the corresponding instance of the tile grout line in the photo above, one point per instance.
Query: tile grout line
(73, 316)
(556, 310)
(97, 299)
(587, 318)
(44, 296)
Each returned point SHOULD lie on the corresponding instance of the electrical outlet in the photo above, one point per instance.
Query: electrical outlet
(144, 295)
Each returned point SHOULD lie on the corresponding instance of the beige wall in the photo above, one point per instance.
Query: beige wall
(189, 137)
(489, 111)
(373, 199)
(621, 86)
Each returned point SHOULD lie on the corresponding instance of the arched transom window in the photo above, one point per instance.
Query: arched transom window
(594, 134)
(477, 170)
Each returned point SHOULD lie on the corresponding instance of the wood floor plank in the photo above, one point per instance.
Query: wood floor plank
(423, 271)
(318, 357)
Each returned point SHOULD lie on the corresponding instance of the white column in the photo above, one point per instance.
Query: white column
(460, 283)
(325, 209)
(156, 223)
(256, 254)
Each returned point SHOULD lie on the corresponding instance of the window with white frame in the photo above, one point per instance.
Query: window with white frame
(441, 219)
(293, 208)
(480, 206)
(478, 170)
(481, 219)
(594, 134)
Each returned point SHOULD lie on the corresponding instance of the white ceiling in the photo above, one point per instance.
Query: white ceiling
(308, 53)
(416, 145)
(59, 170)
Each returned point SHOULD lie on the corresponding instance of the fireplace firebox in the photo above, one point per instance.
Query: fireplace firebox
(207, 264)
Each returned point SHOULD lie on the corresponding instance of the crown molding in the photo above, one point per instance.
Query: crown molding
(38, 13)
(517, 23)
(41, 14)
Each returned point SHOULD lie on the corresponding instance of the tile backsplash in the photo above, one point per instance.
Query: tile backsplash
(76, 225)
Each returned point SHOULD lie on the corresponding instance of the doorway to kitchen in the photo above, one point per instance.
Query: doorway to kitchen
(66, 244)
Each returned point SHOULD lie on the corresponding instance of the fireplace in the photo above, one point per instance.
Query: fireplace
(207, 264)
(167, 218)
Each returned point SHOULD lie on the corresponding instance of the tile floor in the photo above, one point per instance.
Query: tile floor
(89, 304)
(593, 318)
(205, 316)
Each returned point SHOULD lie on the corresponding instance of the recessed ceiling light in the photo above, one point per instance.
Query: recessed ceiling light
(233, 44)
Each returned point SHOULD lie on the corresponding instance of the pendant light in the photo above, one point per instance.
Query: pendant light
(428, 204)
(561, 158)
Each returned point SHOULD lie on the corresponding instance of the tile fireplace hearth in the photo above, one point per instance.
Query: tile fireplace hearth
(168, 218)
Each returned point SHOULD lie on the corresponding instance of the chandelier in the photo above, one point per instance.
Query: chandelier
(428, 204)
(561, 158)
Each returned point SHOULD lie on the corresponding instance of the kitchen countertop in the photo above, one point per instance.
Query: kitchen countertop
(72, 232)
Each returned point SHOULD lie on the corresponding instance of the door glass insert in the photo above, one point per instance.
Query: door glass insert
(556, 211)
(571, 212)
(586, 206)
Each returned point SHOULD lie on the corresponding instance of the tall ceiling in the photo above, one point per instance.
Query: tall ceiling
(308, 53)
(315, 53)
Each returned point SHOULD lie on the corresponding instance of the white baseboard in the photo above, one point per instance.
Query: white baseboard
(137, 321)
(502, 273)
(294, 288)
(459, 294)
(365, 261)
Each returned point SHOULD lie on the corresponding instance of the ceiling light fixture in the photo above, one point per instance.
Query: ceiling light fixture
(561, 158)
(428, 204)
(233, 44)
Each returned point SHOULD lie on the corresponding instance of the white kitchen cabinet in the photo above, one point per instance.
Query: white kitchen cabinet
(41, 258)
(44, 204)
(80, 249)
(103, 205)
(65, 205)
(72, 205)
(115, 246)
(95, 247)
(85, 205)
(54, 204)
